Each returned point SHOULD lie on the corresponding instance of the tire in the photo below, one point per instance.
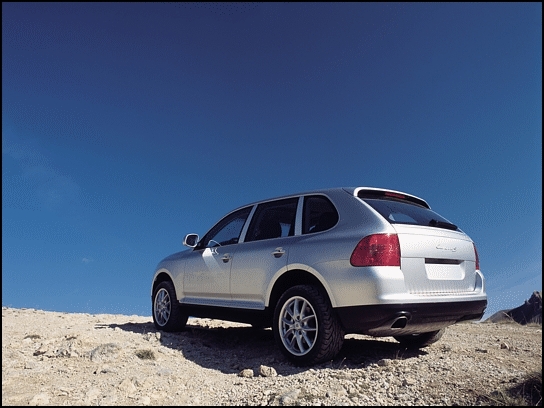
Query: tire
(420, 340)
(305, 326)
(167, 313)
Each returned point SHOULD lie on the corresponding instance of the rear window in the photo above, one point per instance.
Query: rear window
(399, 212)
(319, 214)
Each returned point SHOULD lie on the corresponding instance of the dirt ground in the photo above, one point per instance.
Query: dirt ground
(52, 358)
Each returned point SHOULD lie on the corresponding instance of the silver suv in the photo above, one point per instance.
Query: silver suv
(318, 265)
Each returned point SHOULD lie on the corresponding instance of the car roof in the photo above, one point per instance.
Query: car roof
(335, 190)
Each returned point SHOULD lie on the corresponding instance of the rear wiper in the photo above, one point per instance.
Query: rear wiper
(442, 224)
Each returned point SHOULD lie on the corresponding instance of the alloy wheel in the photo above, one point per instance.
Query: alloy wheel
(298, 326)
(162, 307)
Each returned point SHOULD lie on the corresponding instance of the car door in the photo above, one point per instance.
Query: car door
(207, 270)
(264, 252)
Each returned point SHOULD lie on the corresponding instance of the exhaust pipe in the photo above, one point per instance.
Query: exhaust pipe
(400, 321)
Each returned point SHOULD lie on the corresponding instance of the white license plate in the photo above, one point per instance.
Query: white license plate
(444, 272)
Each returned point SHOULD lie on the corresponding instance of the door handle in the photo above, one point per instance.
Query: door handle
(226, 258)
(278, 252)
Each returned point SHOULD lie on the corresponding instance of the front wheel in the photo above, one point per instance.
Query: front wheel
(167, 312)
(305, 326)
(420, 340)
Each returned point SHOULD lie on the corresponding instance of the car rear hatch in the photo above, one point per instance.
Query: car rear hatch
(436, 261)
(436, 257)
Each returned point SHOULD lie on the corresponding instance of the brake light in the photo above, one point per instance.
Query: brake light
(377, 250)
(390, 194)
(477, 257)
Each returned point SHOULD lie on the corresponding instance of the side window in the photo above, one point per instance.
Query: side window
(318, 214)
(274, 219)
(227, 231)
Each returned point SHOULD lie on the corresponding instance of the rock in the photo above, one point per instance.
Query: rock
(127, 387)
(384, 362)
(44, 348)
(153, 337)
(529, 312)
(105, 352)
(247, 373)
(30, 365)
(267, 371)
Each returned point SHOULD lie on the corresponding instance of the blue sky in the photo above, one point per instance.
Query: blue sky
(126, 126)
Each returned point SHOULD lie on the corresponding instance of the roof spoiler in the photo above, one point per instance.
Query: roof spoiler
(371, 192)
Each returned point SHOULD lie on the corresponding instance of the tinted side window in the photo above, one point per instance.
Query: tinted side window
(318, 214)
(273, 220)
(227, 231)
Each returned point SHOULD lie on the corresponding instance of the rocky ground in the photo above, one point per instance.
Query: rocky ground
(51, 358)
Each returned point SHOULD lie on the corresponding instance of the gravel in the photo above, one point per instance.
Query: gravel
(53, 358)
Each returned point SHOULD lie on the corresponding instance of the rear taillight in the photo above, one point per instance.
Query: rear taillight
(377, 250)
(477, 257)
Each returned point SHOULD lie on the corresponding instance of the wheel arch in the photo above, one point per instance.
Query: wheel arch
(161, 277)
(292, 278)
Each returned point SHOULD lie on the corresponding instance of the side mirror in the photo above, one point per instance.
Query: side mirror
(190, 240)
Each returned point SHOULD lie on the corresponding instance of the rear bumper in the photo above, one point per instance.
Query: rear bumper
(408, 318)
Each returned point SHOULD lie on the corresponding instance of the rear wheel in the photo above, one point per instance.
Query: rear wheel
(305, 326)
(420, 340)
(168, 314)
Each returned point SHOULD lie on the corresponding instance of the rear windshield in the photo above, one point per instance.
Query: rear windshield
(399, 212)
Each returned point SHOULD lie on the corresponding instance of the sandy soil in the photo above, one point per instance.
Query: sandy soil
(51, 358)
